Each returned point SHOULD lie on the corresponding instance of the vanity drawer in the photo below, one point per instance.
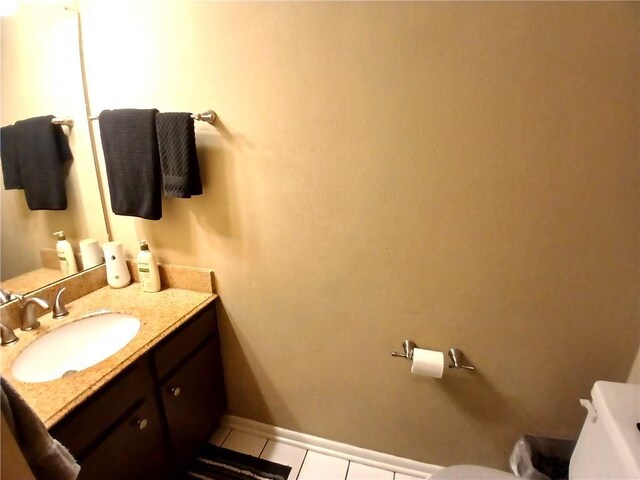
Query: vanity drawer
(184, 340)
(88, 421)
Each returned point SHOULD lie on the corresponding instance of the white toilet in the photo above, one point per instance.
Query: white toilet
(608, 446)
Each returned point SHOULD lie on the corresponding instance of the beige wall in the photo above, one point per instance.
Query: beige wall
(460, 174)
(40, 75)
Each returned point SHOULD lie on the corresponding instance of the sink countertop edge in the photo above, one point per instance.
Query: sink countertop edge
(53, 400)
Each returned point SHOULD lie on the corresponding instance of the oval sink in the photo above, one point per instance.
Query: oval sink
(74, 347)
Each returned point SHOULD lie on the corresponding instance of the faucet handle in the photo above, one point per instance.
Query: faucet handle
(7, 335)
(29, 319)
(59, 308)
(5, 296)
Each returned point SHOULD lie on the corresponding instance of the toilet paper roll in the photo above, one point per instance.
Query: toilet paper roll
(90, 252)
(428, 363)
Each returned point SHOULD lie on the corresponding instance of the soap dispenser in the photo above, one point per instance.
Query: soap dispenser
(65, 254)
(148, 269)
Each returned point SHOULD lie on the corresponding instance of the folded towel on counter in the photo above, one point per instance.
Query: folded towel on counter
(9, 155)
(131, 156)
(42, 148)
(178, 157)
(47, 458)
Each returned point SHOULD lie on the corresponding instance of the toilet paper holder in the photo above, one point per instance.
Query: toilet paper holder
(407, 347)
(455, 354)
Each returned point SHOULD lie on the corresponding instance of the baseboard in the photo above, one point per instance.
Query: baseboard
(336, 449)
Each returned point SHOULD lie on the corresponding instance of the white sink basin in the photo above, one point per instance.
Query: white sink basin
(75, 346)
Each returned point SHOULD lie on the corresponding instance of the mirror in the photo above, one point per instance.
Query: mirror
(42, 75)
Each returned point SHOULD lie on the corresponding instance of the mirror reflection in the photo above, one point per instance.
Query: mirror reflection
(42, 75)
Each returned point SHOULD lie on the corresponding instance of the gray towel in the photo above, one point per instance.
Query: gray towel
(133, 166)
(178, 157)
(42, 148)
(46, 457)
(9, 155)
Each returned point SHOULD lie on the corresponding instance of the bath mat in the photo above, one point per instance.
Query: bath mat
(217, 463)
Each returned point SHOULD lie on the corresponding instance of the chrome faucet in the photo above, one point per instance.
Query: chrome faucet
(29, 319)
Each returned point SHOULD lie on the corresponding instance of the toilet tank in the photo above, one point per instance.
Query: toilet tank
(609, 444)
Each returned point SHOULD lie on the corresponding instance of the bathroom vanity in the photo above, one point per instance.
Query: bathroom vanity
(149, 420)
(142, 412)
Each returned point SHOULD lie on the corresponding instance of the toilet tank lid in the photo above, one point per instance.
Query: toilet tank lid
(618, 407)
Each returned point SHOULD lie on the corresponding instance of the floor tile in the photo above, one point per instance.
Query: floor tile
(245, 443)
(357, 471)
(401, 476)
(219, 435)
(317, 466)
(285, 455)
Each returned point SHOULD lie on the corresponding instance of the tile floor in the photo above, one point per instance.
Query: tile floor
(305, 464)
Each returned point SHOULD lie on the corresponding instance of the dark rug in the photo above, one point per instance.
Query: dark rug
(217, 463)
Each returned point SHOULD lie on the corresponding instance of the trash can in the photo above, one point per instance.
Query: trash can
(541, 458)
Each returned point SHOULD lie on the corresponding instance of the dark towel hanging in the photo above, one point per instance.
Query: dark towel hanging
(133, 166)
(46, 457)
(9, 156)
(42, 148)
(178, 157)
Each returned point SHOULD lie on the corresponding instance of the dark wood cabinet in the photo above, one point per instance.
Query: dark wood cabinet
(147, 422)
(132, 449)
(191, 401)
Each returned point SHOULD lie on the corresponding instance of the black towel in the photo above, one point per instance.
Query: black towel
(42, 147)
(133, 167)
(9, 156)
(178, 157)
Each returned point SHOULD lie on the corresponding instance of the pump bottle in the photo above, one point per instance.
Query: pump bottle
(148, 269)
(65, 254)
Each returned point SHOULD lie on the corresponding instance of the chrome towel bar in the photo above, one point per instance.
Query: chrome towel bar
(209, 116)
(63, 121)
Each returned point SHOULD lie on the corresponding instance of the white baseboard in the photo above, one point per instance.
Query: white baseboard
(336, 449)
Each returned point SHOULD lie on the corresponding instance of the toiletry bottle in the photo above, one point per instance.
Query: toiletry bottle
(65, 254)
(148, 269)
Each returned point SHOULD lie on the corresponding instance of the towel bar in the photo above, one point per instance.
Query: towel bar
(209, 116)
(63, 121)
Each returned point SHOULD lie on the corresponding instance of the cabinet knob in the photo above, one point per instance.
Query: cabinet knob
(142, 424)
(175, 391)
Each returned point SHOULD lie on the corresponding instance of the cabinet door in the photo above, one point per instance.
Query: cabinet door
(133, 449)
(194, 400)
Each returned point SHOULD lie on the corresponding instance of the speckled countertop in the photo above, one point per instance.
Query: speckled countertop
(160, 314)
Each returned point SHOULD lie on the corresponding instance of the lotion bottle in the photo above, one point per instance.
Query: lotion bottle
(148, 269)
(65, 254)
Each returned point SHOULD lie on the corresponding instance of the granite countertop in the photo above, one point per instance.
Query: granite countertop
(159, 313)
